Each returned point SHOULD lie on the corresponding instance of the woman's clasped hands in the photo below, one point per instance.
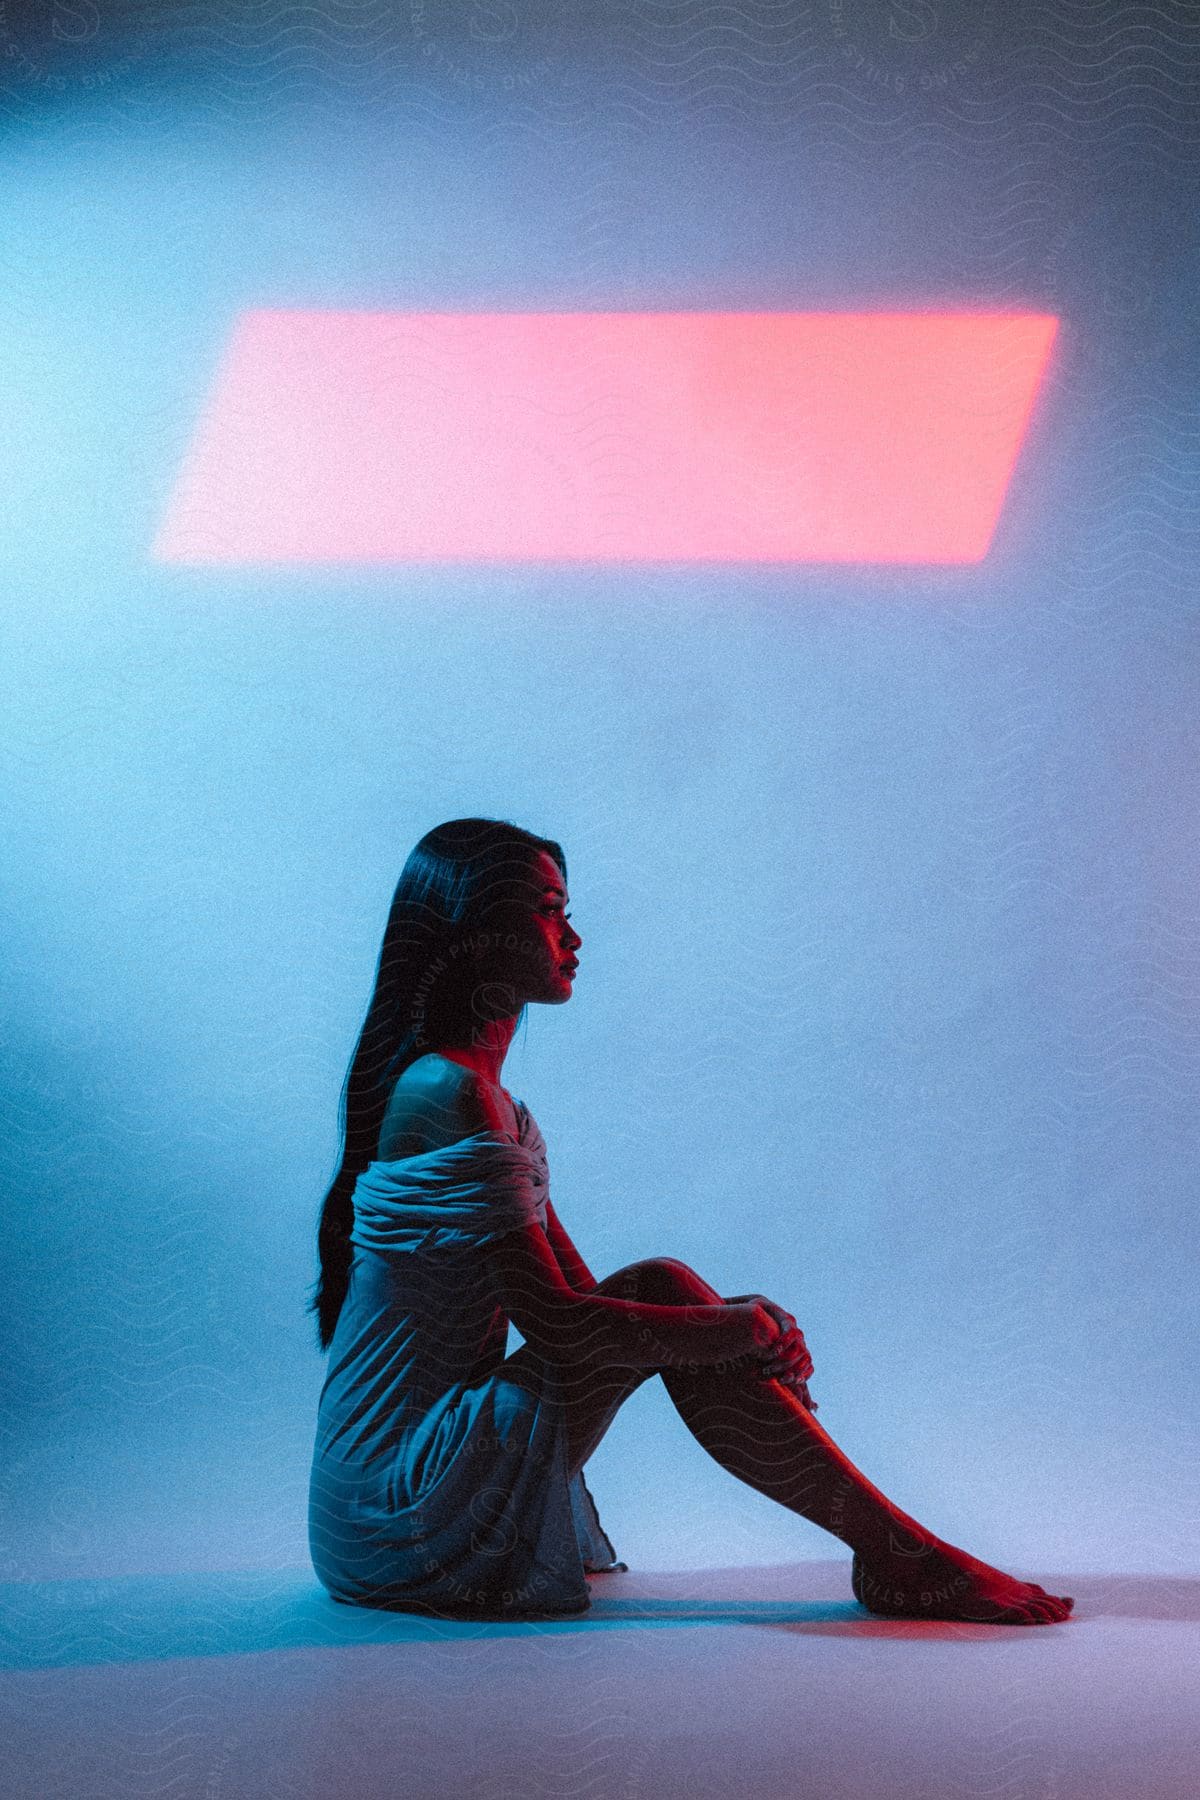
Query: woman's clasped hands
(786, 1359)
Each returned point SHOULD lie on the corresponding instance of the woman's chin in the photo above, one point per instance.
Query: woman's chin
(555, 989)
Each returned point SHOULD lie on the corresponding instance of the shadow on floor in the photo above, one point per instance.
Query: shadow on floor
(129, 1619)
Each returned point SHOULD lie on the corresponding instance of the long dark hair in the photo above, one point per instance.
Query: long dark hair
(424, 994)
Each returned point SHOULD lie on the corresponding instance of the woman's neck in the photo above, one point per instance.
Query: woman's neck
(486, 1052)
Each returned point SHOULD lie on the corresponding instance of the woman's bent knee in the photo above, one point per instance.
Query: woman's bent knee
(659, 1280)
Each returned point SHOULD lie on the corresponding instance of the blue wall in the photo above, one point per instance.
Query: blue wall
(886, 878)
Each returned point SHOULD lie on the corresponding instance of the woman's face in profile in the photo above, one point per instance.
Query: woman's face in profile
(532, 945)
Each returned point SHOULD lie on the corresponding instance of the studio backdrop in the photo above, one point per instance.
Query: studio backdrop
(754, 447)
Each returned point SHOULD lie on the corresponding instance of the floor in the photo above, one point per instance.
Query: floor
(739, 1682)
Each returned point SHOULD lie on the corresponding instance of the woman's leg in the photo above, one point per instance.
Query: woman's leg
(762, 1433)
(593, 1393)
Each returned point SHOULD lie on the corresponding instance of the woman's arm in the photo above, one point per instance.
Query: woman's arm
(571, 1328)
(578, 1275)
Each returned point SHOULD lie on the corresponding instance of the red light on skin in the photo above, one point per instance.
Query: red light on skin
(393, 437)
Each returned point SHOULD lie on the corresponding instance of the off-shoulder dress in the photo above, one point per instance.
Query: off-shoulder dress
(440, 1483)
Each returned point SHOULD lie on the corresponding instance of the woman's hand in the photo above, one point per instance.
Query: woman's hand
(787, 1359)
(749, 1331)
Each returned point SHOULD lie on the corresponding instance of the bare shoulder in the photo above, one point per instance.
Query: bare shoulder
(436, 1102)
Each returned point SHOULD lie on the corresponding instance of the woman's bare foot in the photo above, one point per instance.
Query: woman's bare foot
(945, 1583)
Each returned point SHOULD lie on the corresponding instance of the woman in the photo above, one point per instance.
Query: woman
(447, 1477)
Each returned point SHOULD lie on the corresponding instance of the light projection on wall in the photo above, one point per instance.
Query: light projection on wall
(396, 437)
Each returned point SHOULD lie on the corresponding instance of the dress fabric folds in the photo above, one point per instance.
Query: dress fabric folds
(440, 1483)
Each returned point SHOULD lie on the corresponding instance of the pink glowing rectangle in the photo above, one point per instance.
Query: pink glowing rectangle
(396, 437)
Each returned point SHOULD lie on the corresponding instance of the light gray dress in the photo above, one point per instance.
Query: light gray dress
(438, 1482)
